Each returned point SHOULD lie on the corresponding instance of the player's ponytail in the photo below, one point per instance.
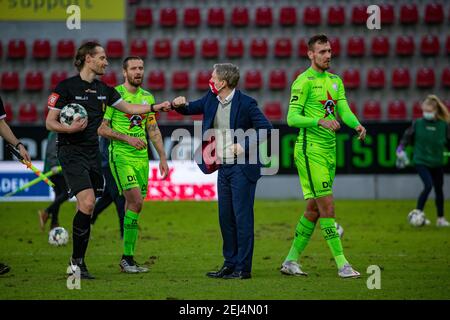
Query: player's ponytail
(85, 49)
(442, 112)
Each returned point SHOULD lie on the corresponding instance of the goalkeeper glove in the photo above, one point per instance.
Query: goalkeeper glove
(402, 158)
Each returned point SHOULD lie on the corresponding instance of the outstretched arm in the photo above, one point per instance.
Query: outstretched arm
(8, 135)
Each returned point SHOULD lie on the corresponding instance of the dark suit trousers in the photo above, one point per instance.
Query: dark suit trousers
(236, 199)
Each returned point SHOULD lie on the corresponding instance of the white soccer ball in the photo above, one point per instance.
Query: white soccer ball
(71, 112)
(58, 236)
(339, 229)
(416, 218)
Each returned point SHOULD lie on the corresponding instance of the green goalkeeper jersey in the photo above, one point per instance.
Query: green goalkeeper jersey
(314, 96)
(130, 124)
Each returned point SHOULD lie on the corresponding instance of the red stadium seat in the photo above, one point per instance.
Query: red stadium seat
(359, 14)
(180, 80)
(143, 17)
(65, 49)
(56, 77)
(174, 116)
(168, 17)
(288, 16)
(425, 78)
(191, 17)
(138, 47)
(434, 13)
(253, 80)
(404, 46)
(297, 73)
(417, 110)
(110, 78)
(375, 78)
(283, 48)
(312, 16)
(380, 46)
(446, 78)
(397, 110)
(335, 44)
(401, 78)
(186, 48)
(235, 48)
(303, 47)
(351, 78)
(17, 49)
(447, 45)
(372, 110)
(115, 49)
(239, 17)
(41, 49)
(259, 48)
(9, 111)
(216, 17)
(277, 80)
(10, 81)
(353, 107)
(156, 80)
(162, 49)
(409, 13)
(336, 15)
(28, 113)
(356, 46)
(34, 81)
(273, 111)
(202, 80)
(263, 17)
(387, 14)
(429, 45)
(210, 48)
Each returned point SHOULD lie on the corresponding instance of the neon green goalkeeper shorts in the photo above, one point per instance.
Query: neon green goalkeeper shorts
(130, 173)
(316, 169)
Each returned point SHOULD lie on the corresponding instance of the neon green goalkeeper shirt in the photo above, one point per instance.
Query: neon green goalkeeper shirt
(130, 124)
(314, 96)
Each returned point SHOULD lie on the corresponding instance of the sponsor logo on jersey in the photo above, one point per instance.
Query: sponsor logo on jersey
(52, 99)
(329, 104)
(135, 119)
(335, 86)
(81, 98)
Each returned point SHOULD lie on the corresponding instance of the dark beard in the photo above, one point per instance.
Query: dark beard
(134, 83)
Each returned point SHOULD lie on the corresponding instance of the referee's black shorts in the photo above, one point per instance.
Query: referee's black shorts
(81, 167)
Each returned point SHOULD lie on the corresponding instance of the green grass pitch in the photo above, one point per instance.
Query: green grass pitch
(181, 241)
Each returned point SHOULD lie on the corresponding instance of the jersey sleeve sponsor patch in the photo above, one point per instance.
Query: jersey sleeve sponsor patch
(53, 99)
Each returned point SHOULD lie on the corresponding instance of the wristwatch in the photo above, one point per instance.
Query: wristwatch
(18, 144)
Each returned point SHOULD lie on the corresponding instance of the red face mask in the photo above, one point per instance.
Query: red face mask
(213, 88)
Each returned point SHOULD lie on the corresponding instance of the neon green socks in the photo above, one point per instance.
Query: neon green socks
(303, 233)
(334, 242)
(130, 232)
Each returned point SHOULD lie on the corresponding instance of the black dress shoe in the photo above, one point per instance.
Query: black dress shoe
(238, 275)
(221, 273)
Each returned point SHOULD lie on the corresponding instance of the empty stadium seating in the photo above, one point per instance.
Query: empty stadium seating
(10, 81)
(65, 49)
(156, 80)
(115, 49)
(273, 111)
(240, 17)
(288, 16)
(397, 110)
(372, 110)
(180, 80)
(401, 78)
(28, 113)
(17, 49)
(143, 17)
(41, 49)
(191, 17)
(253, 80)
(186, 48)
(34, 81)
(234, 48)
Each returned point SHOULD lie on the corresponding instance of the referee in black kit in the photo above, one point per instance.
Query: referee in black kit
(78, 149)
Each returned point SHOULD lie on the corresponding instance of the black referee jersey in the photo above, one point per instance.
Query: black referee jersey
(94, 96)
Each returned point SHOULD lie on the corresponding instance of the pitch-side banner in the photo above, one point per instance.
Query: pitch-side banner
(184, 182)
(60, 10)
(375, 155)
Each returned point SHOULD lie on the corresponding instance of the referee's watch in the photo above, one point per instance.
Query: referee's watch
(151, 107)
(18, 144)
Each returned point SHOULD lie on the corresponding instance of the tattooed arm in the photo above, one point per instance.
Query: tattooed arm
(155, 136)
(106, 131)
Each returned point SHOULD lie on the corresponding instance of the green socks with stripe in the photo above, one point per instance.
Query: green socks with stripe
(303, 233)
(331, 235)
(130, 232)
